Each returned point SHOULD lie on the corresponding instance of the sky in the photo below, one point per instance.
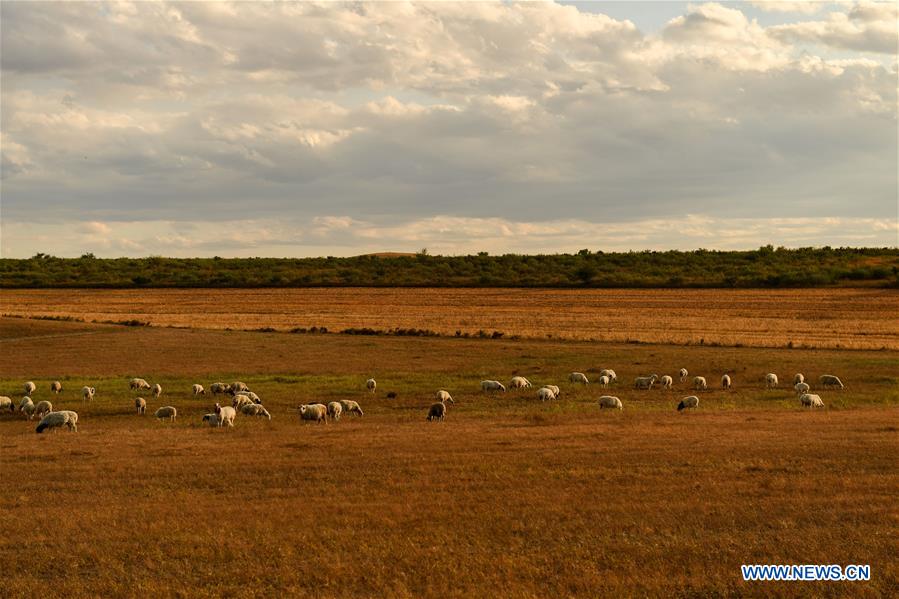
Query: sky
(302, 129)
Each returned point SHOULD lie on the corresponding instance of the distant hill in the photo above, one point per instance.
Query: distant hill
(764, 267)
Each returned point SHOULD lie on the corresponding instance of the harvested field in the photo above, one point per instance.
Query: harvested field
(814, 318)
(509, 496)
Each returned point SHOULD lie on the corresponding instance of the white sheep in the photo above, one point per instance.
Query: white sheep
(798, 378)
(255, 409)
(604, 381)
(236, 387)
(156, 390)
(240, 400)
(666, 381)
(609, 373)
(316, 412)
(609, 401)
(136, 383)
(811, 400)
(555, 389)
(829, 380)
(87, 393)
(56, 387)
(42, 409)
(253, 397)
(58, 419)
(6, 403)
(26, 406)
(519, 382)
(492, 386)
(688, 402)
(335, 410)
(226, 415)
(578, 377)
(166, 412)
(30, 388)
(351, 407)
(683, 374)
(699, 383)
(770, 380)
(801, 388)
(371, 385)
(140, 404)
(218, 388)
(726, 382)
(437, 411)
(645, 382)
(199, 390)
(444, 396)
(545, 394)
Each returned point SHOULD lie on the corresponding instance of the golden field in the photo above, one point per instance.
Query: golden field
(508, 497)
(815, 318)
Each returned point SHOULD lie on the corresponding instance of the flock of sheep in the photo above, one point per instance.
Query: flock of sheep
(248, 403)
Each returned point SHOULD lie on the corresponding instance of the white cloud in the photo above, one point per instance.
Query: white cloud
(524, 112)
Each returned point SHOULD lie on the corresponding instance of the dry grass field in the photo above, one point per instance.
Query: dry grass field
(508, 497)
(825, 318)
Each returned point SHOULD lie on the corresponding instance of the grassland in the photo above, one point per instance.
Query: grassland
(812, 318)
(508, 497)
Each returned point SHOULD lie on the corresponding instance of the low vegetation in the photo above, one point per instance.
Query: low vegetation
(766, 267)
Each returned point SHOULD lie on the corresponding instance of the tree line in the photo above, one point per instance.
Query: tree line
(764, 267)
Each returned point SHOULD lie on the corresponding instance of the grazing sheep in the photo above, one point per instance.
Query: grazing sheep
(545, 394)
(56, 387)
(87, 393)
(437, 411)
(236, 387)
(212, 419)
(666, 381)
(811, 400)
(609, 401)
(555, 389)
(645, 382)
(26, 406)
(829, 380)
(492, 386)
(6, 403)
(255, 409)
(58, 419)
(140, 404)
(801, 388)
(240, 400)
(218, 388)
(371, 385)
(578, 377)
(316, 412)
(609, 373)
(683, 374)
(351, 407)
(688, 402)
(798, 378)
(335, 410)
(770, 380)
(519, 382)
(30, 388)
(156, 390)
(699, 383)
(604, 381)
(138, 384)
(166, 412)
(199, 390)
(226, 415)
(444, 396)
(42, 409)
(725, 382)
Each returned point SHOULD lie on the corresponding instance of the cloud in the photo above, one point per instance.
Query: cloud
(207, 114)
(806, 7)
